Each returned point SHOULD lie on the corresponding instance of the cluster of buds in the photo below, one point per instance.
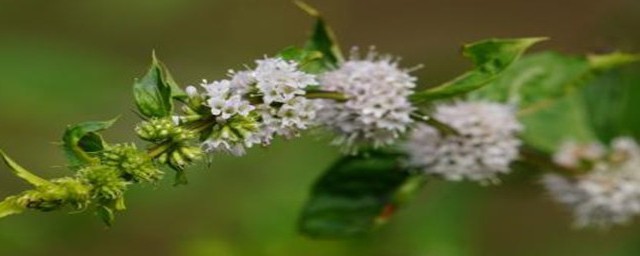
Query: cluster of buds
(174, 144)
(135, 165)
(107, 182)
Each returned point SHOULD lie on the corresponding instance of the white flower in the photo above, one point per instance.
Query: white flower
(223, 102)
(276, 87)
(284, 110)
(280, 80)
(484, 147)
(609, 193)
(377, 110)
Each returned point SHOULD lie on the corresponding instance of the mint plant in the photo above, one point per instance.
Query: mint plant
(395, 135)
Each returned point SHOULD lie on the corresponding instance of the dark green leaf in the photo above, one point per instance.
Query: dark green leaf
(322, 39)
(80, 140)
(153, 92)
(22, 172)
(490, 57)
(106, 215)
(356, 195)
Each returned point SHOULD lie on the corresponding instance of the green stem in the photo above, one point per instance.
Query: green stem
(158, 149)
(435, 123)
(329, 95)
(544, 162)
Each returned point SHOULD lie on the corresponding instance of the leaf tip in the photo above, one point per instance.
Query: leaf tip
(307, 8)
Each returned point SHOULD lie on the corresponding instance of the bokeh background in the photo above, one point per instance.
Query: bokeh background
(63, 62)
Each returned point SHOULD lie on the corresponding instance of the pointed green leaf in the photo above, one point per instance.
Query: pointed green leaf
(538, 79)
(22, 172)
(611, 60)
(80, 140)
(323, 39)
(9, 207)
(490, 57)
(106, 215)
(308, 61)
(356, 195)
(153, 92)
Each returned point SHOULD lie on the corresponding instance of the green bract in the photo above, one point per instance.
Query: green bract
(82, 140)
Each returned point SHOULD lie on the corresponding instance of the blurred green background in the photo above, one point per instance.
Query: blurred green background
(63, 62)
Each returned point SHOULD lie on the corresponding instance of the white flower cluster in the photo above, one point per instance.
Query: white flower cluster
(285, 110)
(377, 110)
(254, 105)
(485, 144)
(609, 193)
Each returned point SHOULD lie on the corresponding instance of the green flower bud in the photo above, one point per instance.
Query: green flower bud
(135, 165)
(158, 130)
(107, 181)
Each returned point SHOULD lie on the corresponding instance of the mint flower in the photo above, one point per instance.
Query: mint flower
(609, 193)
(485, 146)
(377, 110)
(280, 81)
(253, 106)
(224, 102)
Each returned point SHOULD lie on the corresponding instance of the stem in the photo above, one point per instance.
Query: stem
(544, 162)
(330, 95)
(158, 149)
(435, 123)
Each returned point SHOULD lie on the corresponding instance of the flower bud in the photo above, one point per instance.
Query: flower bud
(158, 130)
(135, 165)
(107, 182)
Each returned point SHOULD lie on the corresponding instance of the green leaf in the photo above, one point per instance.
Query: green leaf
(538, 79)
(548, 89)
(614, 100)
(322, 40)
(22, 172)
(356, 195)
(566, 118)
(308, 60)
(154, 92)
(611, 60)
(490, 58)
(10, 207)
(80, 140)
(106, 215)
